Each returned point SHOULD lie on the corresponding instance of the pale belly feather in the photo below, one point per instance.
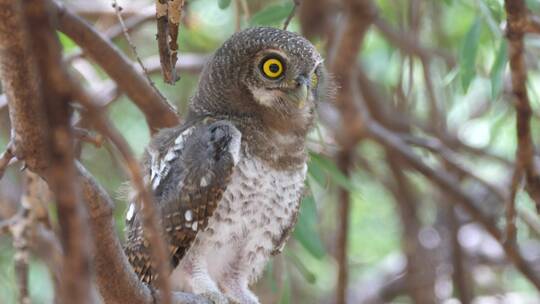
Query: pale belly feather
(258, 205)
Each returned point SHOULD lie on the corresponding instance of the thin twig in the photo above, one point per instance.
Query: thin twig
(86, 136)
(344, 160)
(237, 15)
(20, 244)
(6, 158)
(291, 14)
(117, 30)
(533, 25)
(241, 6)
(118, 11)
(511, 229)
(410, 44)
(245, 8)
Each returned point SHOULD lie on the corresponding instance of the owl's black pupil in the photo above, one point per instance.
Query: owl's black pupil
(274, 68)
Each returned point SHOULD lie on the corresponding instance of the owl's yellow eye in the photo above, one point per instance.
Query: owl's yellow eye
(314, 80)
(272, 68)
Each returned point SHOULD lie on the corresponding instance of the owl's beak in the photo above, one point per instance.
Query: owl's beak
(299, 93)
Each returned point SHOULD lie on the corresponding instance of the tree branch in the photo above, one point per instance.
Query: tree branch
(296, 4)
(118, 10)
(420, 273)
(533, 25)
(124, 286)
(151, 227)
(409, 44)
(158, 113)
(5, 158)
(358, 17)
(60, 173)
(19, 76)
(517, 20)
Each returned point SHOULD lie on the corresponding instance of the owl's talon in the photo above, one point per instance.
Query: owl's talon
(217, 298)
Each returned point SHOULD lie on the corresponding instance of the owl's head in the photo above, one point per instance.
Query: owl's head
(268, 73)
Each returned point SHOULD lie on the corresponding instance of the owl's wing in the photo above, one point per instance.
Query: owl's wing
(189, 169)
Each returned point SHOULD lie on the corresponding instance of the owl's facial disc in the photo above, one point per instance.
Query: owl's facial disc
(281, 83)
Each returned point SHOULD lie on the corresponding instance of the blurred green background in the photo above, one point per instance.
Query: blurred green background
(473, 91)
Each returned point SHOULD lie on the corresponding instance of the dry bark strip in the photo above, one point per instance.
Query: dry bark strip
(168, 15)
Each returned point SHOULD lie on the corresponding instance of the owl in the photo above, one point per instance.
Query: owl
(228, 181)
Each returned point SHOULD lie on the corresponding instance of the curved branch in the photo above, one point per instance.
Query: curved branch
(158, 113)
(151, 227)
(109, 257)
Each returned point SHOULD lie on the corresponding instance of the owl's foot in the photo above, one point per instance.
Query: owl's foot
(216, 297)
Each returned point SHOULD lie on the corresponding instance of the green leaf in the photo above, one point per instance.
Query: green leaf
(497, 70)
(468, 55)
(67, 43)
(496, 9)
(533, 5)
(300, 265)
(306, 229)
(272, 14)
(317, 173)
(286, 293)
(223, 4)
(336, 175)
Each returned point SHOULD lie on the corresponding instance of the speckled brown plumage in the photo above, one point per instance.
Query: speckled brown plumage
(183, 213)
(228, 182)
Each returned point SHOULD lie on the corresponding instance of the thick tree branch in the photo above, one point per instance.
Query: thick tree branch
(60, 173)
(109, 258)
(420, 273)
(19, 76)
(151, 228)
(158, 113)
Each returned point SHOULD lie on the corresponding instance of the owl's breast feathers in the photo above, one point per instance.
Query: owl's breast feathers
(188, 169)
